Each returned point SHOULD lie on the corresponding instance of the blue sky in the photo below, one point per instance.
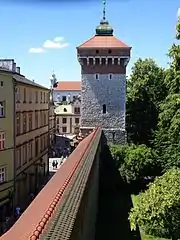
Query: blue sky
(148, 26)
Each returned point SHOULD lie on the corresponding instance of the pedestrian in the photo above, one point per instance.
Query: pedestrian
(56, 164)
(53, 164)
(18, 212)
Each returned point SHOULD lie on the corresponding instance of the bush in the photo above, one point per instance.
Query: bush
(158, 209)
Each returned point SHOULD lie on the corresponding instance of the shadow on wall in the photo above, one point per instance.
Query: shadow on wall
(114, 203)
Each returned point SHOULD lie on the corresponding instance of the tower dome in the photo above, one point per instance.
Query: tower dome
(104, 29)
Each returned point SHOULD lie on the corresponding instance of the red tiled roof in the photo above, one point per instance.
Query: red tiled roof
(68, 86)
(103, 42)
(33, 221)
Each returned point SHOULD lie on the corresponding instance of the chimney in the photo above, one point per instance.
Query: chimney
(18, 70)
(14, 67)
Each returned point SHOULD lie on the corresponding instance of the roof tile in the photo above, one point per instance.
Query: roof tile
(103, 42)
(68, 86)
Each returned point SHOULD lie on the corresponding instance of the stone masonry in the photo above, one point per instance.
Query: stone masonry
(112, 93)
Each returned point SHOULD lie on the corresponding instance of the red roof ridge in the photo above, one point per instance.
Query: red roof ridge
(112, 37)
(33, 232)
(86, 41)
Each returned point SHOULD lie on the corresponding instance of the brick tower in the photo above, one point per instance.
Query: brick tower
(103, 60)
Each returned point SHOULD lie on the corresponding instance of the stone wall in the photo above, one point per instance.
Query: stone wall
(112, 93)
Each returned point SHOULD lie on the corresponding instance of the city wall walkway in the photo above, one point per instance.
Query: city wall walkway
(62, 209)
(84, 200)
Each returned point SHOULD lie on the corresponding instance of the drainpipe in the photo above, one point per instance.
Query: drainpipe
(14, 145)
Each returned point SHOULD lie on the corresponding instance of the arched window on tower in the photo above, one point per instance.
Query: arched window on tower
(104, 108)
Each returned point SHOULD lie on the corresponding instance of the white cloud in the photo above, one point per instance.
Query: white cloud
(58, 39)
(178, 12)
(54, 44)
(36, 50)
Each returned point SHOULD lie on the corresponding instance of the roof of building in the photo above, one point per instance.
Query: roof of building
(68, 86)
(34, 220)
(103, 41)
(24, 80)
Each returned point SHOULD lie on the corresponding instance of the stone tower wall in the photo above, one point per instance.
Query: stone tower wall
(112, 93)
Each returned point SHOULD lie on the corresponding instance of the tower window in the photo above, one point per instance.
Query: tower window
(65, 110)
(109, 51)
(110, 76)
(97, 51)
(63, 98)
(104, 108)
(97, 76)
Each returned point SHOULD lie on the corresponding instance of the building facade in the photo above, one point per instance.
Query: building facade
(103, 60)
(24, 137)
(68, 117)
(67, 99)
(66, 91)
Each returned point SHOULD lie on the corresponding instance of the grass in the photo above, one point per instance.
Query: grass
(143, 235)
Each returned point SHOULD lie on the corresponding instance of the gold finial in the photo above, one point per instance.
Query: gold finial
(104, 9)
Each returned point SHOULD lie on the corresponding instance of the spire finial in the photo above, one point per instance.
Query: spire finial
(104, 9)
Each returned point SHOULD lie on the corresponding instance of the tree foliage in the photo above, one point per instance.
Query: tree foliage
(158, 209)
(135, 162)
(145, 91)
(167, 136)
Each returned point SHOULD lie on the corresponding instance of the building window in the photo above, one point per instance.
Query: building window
(97, 76)
(36, 146)
(24, 149)
(30, 149)
(17, 94)
(18, 123)
(77, 120)
(36, 119)
(109, 51)
(36, 93)
(24, 100)
(57, 120)
(44, 97)
(64, 129)
(64, 98)
(24, 123)
(2, 109)
(110, 76)
(2, 174)
(2, 140)
(1, 83)
(41, 97)
(30, 96)
(45, 118)
(104, 108)
(97, 51)
(47, 97)
(77, 110)
(18, 157)
(30, 121)
(64, 120)
(65, 110)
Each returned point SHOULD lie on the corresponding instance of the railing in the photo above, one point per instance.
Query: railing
(66, 207)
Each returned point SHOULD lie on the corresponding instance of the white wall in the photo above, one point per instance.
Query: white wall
(57, 95)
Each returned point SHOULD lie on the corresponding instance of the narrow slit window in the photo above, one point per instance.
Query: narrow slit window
(97, 76)
(104, 108)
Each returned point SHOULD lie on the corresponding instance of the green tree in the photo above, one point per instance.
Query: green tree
(145, 91)
(139, 163)
(158, 209)
(167, 136)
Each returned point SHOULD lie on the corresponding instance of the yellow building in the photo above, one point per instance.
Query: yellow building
(24, 137)
(68, 117)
